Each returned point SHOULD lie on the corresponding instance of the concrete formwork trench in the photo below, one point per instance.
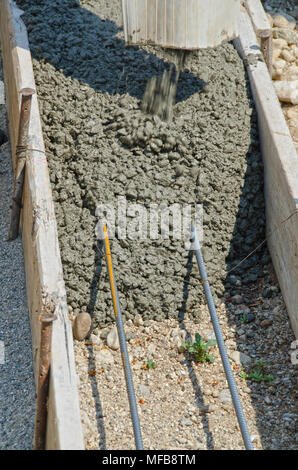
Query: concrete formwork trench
(101, 149)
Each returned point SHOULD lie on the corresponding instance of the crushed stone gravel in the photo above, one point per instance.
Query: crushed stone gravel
(17, 388)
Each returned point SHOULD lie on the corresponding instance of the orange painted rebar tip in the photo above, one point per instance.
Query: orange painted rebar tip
(110, 268)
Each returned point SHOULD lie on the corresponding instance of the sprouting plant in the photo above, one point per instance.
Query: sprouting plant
(243, 319)
(150, 364)
(198, 349)
(256, 373)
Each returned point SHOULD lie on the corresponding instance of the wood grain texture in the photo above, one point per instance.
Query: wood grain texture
(262, 29)
(257, 14)
(44, 276)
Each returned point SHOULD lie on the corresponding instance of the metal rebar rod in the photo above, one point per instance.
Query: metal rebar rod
(123, 347)
(40, 427)
(220, 342)
(16, 203)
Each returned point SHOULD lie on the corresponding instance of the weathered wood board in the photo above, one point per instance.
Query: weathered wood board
(258, 16)
(280, 170)
(44, 276)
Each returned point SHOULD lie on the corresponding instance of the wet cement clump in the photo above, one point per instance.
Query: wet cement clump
(160, 94)
(102, 146)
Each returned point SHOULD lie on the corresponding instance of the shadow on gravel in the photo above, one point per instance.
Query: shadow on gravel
(85, 47)
(98, 405)
(98, 257)
(192, 375)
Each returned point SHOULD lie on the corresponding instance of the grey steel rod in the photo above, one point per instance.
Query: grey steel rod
(123, 347)
(220, 342)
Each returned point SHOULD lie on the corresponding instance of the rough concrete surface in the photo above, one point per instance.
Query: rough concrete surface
(17, 390)
(100, 146)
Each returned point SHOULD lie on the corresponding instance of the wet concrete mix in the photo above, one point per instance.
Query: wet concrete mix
(101, 145)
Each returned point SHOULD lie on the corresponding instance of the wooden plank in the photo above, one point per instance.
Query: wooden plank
(262, 29)
(280, 170)
(258, 16)
(44, 276)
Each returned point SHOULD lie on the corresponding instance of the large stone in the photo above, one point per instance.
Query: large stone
(291, 74)
(284, 21)
(290, 36)
(279, 43)
(287, 91)
(278, 68)
(225, 396)
(275, 54)
(138, 320)
(287, 55)
(237, 299)
(240, 358)
(242, 310)
(82, 326)
(265, 323)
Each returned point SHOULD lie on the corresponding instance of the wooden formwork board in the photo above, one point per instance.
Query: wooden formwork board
(280, 169)
(44, 276)
(258, 16)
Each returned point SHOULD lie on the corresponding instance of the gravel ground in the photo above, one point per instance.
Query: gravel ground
(279, 6)
(187, 405)
(17, 389)
(182, 405)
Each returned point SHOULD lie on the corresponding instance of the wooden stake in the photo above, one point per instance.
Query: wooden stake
(266, 47)
(43, 382)
(21, 149)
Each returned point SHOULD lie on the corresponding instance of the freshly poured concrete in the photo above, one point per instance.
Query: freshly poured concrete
(100, 146)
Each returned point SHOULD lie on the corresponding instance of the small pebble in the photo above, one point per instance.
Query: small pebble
(82, 326)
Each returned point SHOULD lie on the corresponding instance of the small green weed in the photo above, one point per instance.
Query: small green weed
(256, 373)
(198, 350)
(150, 364)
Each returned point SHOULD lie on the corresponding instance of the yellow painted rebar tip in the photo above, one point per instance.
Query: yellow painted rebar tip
(110, 269)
